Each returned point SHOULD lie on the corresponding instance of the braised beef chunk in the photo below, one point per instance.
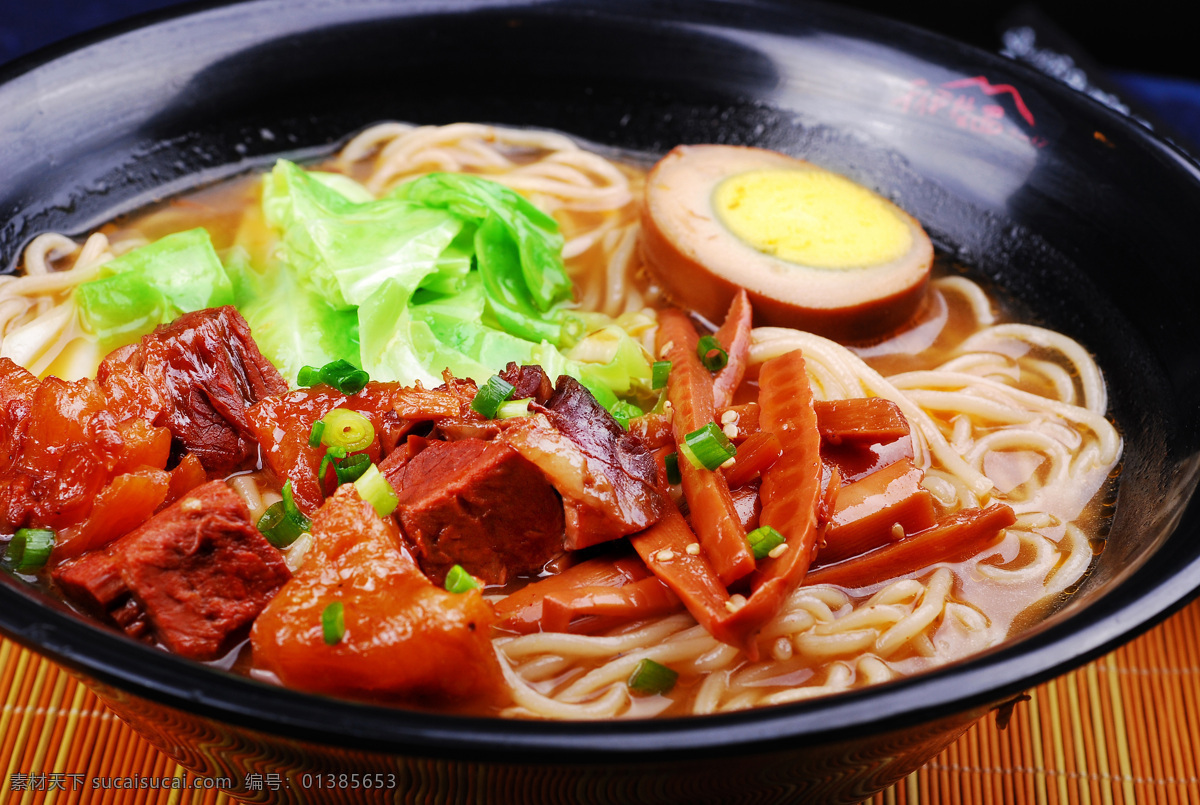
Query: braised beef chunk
(195, 576)
(480, 505)
(209, 371)
(629, 466)
(606, 476)
(527, 382)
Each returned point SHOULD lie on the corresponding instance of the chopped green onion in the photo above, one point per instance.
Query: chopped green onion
(308, 376)
(623, 412)
(672, 464)
(707, 447)
(487, 399)
(282, 522)
(514, 408)
(333, 623)
(289, 505)
(763, 540)
(30, 549)
(352, 467)
(659, 373)
(314, 435)
(712, 354)
(348, 430)
(375, 489)
(650, 677)
(460, 581)
(340, 374)
(279, 529)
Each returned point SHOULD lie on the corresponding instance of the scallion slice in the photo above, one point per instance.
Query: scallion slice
(347, 429)
(279, 529)
(314, 435)
(707, 447)
(459, 581)
(333, 623)
(711, 353)
(763, 540)
(308, 376)
(375, 489)
(650, 677)
(488, 399)
(659, 373)
(672, 464)
(340, 374)
(514, 408)
(29, 549)
(352, 467)
(623, 412)
(282, 522)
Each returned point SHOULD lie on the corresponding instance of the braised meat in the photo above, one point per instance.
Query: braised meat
(194, 576)
(402, 636)
(606, 476)
(62, 444)
(528, 382)
(209, 371)
(480, 505)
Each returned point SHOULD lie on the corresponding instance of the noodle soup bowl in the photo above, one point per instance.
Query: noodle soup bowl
(1080, 219)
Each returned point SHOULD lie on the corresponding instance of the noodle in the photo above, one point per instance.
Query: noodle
(1015, 413)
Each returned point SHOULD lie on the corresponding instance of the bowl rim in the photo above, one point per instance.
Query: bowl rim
(980, 682)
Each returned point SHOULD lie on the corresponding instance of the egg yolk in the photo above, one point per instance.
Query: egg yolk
(812, 218)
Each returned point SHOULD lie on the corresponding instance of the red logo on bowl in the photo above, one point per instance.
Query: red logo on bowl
(974, 104)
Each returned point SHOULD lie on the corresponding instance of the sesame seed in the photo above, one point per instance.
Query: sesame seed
(735, 602)
(666, 555)
(778, 551)
(693, 549)
(897, 531)
(729, 417)
(729, 462)
(191, 505)
(666, 349)
(782, 649)
(730, 430)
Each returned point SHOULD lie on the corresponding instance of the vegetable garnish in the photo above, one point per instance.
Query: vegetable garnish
(340, 374)
(660, 371)
(672, 464)
(347, 429)
(375, 489)
(650, 677)
(314, 436)
(151, 285)
(763, 540)
(460, 581)
(711, 353)
(707, 447)
(624, 411)
(282, 523)
(333, 623)
(30, 549)
(514, 408)
(488, 399)
(351, 468)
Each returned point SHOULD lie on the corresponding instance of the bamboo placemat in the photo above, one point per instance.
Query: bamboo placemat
(1123, 729)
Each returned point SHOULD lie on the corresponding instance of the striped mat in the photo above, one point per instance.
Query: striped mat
(1124, 729)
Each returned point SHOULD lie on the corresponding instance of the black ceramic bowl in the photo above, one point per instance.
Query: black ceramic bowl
(1085, 220)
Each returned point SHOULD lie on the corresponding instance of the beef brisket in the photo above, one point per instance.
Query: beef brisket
(480, 505)
(194, 576)
(209, 371)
